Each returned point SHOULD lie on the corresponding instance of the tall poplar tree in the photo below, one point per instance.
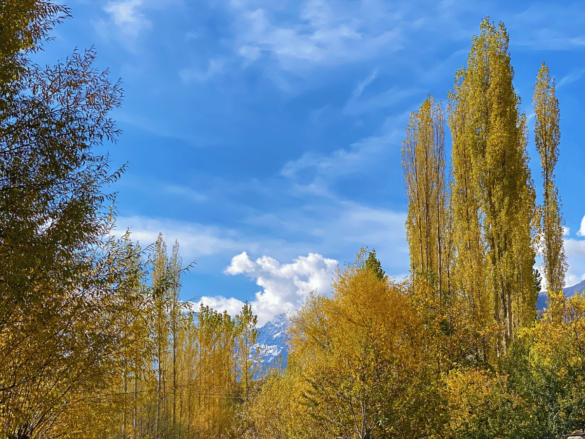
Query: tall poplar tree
(428, 222)
(493, 194)
(547, 135)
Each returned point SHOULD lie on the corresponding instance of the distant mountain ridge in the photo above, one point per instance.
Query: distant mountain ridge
(568, 292)
(571, 291)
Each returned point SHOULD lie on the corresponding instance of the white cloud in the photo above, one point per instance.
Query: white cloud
(195, 239)
(360, 155)
(190, 74)
(343, 227)
(575, 248)
(127, 19)
(284, 286)
(240, 264)
(575, 252)
(339, 162)
(581, 231)
(323, 32)
(127, 15)
(572, 279)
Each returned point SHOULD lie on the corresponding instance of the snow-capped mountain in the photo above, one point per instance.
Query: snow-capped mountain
(272, 343)
(569, 291)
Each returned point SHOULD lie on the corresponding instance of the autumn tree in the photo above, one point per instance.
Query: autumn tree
(547, 136)
(493, 195)
(356, 357)
(25, 27)
(428, 221)
(63, 299)
(246, 334)
(278, 409)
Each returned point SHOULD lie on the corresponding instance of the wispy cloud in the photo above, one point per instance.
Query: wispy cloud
(574, 76)
(357, 92)
(127, 20)
(326, 168)
(214, 67)
(549, 26)
(393, 96)
(341, 162)
(323, 33)
(185, 192)
(163, 127)
(128, 16)
(196, 239)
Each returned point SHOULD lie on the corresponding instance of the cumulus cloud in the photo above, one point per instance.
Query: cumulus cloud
(284, 286)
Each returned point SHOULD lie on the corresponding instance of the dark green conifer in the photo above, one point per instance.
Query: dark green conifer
(373, 264)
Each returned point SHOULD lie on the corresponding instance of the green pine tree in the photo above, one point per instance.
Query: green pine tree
(373, 264)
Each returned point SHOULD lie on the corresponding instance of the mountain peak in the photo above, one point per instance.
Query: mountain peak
(271, 343)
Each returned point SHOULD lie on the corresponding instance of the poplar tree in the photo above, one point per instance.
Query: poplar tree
(169, 324)
(428, 221)
(547, 136)
(493, 194)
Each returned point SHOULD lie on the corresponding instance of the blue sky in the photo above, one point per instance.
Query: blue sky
(265, 135)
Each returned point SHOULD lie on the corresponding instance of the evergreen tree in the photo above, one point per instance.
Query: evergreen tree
(374, 266)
